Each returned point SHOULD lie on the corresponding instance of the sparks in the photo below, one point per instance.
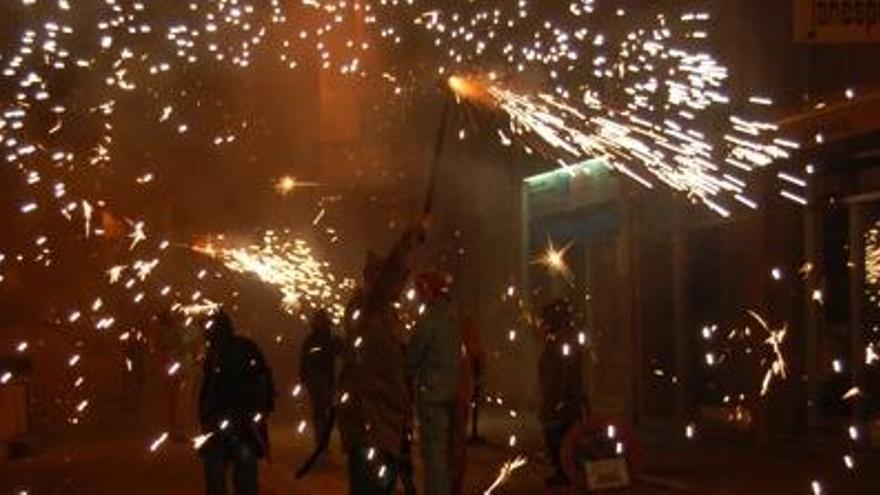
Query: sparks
(554, 260)
(505, 473)
(287, 185)
(158, 442)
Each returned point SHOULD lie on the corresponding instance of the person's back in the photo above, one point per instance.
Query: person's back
(236, 397)
(560, 374)
(236, 383)
(373, 393)
(318, 356)
(434, 361)
(373, 378)
(561, 380)
(317, 371)
(434, 353)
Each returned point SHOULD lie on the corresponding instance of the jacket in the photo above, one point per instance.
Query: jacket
(376, 406)
(237, 387)
(434, 354)
(562, 383)
(317, 365)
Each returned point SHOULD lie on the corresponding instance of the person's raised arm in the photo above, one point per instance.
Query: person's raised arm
(395, 267)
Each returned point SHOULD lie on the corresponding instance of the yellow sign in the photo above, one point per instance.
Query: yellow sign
(837, 21)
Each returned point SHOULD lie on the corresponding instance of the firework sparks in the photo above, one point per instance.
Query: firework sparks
(303, 280)
(505, 473)
(287, 185)
(154, 446)
(654, 133)
(200, 440)
(746, 341)
(139, 52)
(871, 355)
(774, 339)
(633, 144)
(467, 89)
(204, 307)
(554, 260)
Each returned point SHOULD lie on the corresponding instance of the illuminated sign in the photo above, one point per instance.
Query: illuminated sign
(570, 187)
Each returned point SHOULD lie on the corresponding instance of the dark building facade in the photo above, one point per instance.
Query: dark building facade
(681, 303)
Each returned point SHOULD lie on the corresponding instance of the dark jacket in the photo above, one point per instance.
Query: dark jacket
(237, 387)
(317, 365)
(373, 372)
(562, 384)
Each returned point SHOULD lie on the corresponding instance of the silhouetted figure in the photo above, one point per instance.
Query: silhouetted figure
(434, 362)
(563, 402)
(235, 401)
(317, 372)
(373, 393)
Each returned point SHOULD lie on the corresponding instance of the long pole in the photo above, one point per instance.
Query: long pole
(438, 156)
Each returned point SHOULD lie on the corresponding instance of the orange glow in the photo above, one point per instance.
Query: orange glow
(466, 88)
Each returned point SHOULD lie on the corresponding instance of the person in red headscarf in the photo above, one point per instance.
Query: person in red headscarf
(434, 359)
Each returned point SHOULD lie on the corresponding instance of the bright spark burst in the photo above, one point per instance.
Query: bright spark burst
(304, 281)
(158, 442)
(202, 308)
(631, 140)
(554, 260)
(774, 340)
(200, 440)
(652, 125)
(505, 473)
(287, 185)
(746, 340)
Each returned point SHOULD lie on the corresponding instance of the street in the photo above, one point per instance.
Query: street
(122, 463)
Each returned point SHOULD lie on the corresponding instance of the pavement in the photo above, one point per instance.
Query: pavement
(118, 460)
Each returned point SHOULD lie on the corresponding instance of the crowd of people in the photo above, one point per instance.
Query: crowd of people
(376, 383)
